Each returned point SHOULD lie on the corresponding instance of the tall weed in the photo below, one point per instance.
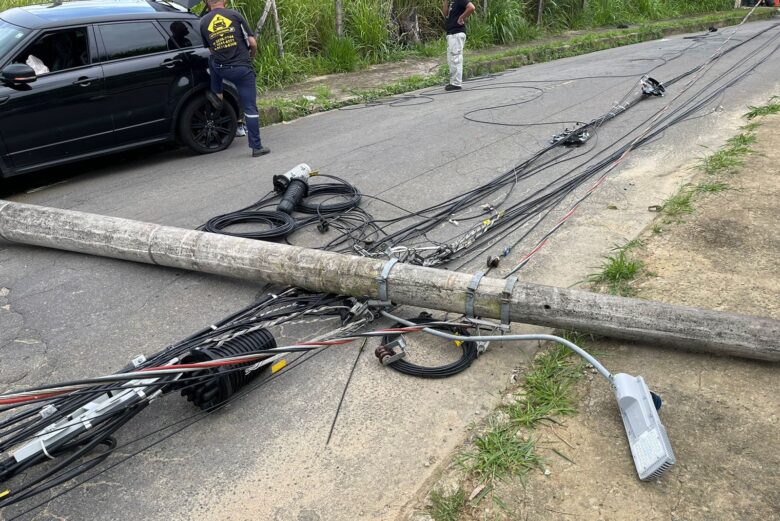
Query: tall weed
(368, 25)
(507, 22)
(274, 71)
(340, 55)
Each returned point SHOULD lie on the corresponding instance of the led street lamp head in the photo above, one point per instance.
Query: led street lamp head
(647, 437)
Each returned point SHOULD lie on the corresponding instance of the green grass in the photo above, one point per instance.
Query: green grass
(712, 188)
(447, 507)
(679, 204)
(291, 109)
(596, 41)
(742, 140)
(723, 160)
(503, 450)
(751, 127)
(547, 388)
(435, 48)
(764, 110)
(500, 452)
(634, 244)
(730, 156)
(323, 92)
(616, 273)
(274, 73)
(340, 55)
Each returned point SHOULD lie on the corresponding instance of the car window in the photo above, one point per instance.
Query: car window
(57, 51)
(9, 36)
(182, 34)
(132, 39)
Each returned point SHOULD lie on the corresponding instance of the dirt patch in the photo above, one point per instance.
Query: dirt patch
(722, 414)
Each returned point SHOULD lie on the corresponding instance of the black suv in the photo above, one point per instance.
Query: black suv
(90, 77)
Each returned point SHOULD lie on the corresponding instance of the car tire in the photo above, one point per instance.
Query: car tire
(204, 129)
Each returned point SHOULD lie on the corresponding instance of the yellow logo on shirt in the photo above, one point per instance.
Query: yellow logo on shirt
(219, 23)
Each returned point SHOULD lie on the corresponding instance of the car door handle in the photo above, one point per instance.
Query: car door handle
(83, 81)
(171, 63)
(3, 99)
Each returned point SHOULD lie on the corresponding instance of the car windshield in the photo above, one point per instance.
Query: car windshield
(9, 36)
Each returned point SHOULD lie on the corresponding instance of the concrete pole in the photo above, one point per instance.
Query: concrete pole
(315, 270)
(339, 18)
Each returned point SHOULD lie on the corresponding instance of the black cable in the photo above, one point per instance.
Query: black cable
(468, 348)
(279, 224)
(352, 227)
(343, 189)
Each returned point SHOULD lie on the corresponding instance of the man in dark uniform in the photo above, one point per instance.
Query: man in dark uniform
(233, 45)
(456, 12)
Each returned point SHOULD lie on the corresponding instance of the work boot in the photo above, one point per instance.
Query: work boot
(451, 87)
(257, 152)
(215, 100)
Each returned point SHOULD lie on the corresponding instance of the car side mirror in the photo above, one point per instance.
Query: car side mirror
(18, 74)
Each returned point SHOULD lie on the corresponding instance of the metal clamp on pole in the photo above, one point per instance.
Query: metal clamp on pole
(471, 291)
(382, 279)
(506, 299)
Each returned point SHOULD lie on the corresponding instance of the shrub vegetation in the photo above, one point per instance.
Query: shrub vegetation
(379, 30)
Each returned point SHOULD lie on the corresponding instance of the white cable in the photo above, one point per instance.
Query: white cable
(513, 338)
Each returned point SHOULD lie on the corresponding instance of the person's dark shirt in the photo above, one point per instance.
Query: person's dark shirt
(457, 7)
(225, 32)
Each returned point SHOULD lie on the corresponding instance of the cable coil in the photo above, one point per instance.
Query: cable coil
(280, 224)
(469, 348)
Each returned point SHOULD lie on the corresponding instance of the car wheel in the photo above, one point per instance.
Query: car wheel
(204, 129)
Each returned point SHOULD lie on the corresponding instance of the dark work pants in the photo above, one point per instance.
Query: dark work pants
(243, 77)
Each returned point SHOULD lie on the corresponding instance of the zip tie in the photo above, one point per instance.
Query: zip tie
(382, 279)
(506, 298)
(471, 291)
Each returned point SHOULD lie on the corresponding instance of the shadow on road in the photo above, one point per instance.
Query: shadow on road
(104, 165)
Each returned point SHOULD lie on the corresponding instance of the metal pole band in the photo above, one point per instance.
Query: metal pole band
(382, 279)
(470, 292)
(506, 299)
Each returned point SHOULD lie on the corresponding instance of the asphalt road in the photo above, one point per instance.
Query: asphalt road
(63, 315)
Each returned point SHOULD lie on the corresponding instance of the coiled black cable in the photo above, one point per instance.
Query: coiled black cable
(344, 189)
(280, 224)
(469, 348)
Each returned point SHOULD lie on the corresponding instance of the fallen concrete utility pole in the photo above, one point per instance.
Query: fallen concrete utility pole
(315, 270)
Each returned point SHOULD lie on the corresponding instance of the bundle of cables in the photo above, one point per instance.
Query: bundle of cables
(277, 224)
(468, 348)
(68, 421)
(492, 212)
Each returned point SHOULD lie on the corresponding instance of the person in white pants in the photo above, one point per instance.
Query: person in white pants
(456, 12)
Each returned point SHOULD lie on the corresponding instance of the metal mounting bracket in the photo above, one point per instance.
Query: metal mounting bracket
(382, 279)
(399, 343)
(471, 291)
(506, 299)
